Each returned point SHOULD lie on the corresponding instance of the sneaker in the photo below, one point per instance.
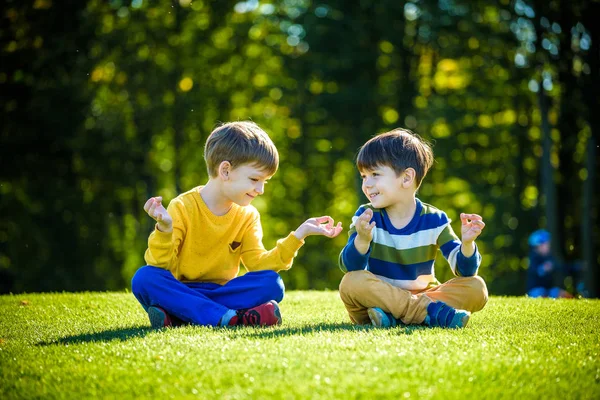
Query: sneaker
(381, 319)
(159, 317)
(264, 315)
(442, 315)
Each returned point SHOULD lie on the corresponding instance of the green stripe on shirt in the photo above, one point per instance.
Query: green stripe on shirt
(409, 256)
(447, 235)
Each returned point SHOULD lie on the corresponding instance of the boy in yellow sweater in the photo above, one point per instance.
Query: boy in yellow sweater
(195, 250)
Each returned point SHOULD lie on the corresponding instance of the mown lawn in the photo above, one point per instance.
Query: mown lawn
(99, 345)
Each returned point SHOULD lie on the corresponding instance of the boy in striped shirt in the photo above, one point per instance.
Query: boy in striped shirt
(393, 241)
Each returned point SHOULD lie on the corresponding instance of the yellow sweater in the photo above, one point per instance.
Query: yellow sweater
(208, 248)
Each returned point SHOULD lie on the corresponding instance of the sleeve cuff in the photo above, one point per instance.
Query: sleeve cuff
(162, 237)
(468, 266)
(352, 259)
(290, 245)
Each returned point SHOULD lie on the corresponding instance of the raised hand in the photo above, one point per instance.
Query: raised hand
(156, 211)
(364, 228)
(318, 226)
(364, 231)
(472, 225)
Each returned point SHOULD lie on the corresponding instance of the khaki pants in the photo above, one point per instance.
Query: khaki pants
(361, 290)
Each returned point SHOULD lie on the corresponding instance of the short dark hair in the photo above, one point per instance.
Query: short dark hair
(398, 149)
(240, 143)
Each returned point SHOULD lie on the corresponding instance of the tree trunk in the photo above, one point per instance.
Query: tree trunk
(589, 228)
(548, 183)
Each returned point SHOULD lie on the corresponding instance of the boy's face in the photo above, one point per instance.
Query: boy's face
(245, 183)
(382, 186)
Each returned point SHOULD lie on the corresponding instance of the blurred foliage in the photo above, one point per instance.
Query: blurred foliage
(104, 104)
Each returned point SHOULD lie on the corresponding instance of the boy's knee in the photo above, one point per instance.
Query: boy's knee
(141, 277)
(479, 292)
(353, 281)
(277, 286)
(272, 280)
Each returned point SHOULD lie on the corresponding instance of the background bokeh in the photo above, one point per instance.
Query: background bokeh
(105, 103)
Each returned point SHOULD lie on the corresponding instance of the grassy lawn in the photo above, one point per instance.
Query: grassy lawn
(99, 345)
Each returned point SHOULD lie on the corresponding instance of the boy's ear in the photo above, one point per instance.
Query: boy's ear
(224, 170)
(408, 177)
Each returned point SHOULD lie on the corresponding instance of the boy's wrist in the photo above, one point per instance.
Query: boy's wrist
(300, 234)
(363, 239)
(468, 248)
(361, 244)
(164, 229)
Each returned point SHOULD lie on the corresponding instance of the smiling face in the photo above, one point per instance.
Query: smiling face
(400, 150)
(383, 187)
(244, 183)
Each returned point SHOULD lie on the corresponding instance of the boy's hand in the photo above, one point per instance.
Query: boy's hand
(364, 228)
(364, 231)
(155, 209)
(472, 225)
(318, 226)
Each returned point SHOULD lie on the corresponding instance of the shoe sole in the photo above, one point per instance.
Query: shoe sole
(378, 319)
(157, 318)
(462, 322)
(465, 320)
(277, 312)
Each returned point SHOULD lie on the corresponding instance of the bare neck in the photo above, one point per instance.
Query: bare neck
(402, 212)
(215, 199)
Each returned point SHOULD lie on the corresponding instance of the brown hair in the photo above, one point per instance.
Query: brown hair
(240, 143)
(398, 149)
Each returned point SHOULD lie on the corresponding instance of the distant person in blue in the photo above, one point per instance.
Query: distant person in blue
(542, 268)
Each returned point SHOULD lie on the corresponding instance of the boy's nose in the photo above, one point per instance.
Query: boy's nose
(260, 188)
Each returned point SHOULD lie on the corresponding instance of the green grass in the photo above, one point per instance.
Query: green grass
(99, 345)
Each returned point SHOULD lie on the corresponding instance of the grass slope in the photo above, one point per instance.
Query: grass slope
(99, 345)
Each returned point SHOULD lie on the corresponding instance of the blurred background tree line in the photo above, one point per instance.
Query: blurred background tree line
(106, 103)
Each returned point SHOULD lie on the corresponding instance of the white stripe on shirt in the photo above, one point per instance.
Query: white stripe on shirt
(452, 258)
(425, 237)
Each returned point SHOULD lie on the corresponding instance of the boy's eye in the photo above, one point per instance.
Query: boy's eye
(254, 179)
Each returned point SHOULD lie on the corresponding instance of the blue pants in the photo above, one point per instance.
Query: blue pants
(204, 303)
(543, 292)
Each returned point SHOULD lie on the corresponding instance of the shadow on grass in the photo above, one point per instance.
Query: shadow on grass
(241, 331)
(309, 329)
(104, 336)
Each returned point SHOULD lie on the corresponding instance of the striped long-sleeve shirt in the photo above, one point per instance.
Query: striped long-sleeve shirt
(405, 257)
